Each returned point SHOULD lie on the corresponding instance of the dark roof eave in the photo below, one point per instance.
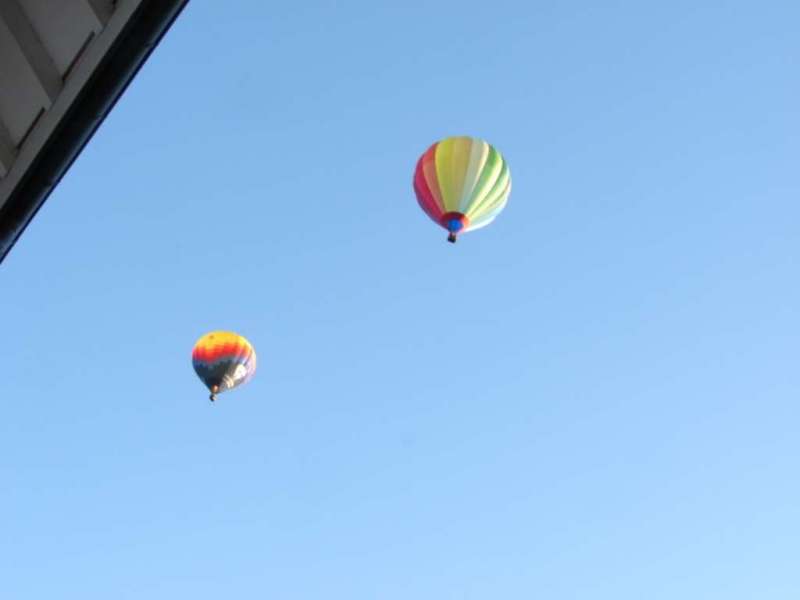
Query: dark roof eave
(148, 24)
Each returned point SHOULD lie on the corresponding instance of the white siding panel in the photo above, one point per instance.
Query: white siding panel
(63, 26)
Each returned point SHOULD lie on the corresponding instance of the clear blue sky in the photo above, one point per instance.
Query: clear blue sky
(595, 397)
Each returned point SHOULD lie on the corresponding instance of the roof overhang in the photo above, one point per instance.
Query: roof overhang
(63, 65)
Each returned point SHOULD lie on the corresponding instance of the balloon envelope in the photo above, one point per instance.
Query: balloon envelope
(462, 184)
(223, 360)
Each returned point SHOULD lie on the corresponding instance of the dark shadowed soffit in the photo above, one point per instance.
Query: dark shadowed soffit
(36, 177)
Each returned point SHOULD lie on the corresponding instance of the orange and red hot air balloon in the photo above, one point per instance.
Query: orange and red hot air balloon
(223, 360)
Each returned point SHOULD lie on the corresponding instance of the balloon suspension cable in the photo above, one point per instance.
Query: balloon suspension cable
(451, 237)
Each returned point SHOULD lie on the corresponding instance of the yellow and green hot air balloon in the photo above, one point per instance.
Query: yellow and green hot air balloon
(462, 183)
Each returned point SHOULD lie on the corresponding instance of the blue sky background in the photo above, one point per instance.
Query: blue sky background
(595, 397)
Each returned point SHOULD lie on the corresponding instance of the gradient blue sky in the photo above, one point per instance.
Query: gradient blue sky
(596, 397)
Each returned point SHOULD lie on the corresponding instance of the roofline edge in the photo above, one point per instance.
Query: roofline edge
(140, 36)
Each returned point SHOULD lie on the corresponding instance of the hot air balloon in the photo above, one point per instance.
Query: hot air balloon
(462, 183)
(223, 360)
